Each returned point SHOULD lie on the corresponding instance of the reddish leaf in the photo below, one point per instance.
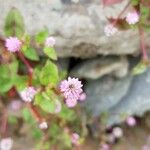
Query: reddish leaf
(111, 2)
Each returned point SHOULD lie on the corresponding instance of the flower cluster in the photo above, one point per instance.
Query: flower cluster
(75, 139)
(50, 42)
(72, 91)
(6, 144)
(28, 94)
(110, 30)
(132, 17)
(13, 44)
(43, 125)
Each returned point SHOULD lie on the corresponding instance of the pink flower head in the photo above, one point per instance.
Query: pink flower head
(131, 121)
(6, 144)
(105, 147)
(117, 132)
(132, 17)
(13, 44)
(75, 138)
(145, 147)
(43, 125)
(71, 89)
(82, 96)
(28, 94)
(71, 102)
(15, 105)
(110, 30)
(50, 42)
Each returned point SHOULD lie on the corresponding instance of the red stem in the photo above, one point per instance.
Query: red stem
(33, 110)
(29, 67)
(121, 13)
(142, 44)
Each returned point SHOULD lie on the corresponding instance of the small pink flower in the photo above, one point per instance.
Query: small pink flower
(6, 144)
(117, 132)
(105, 147)
(43, 125)
(71, 102)
(50, 41)
(28, 94)
(13, 44)
(82, 96)
(132, 17)
(131, 121)
(71, 89)
(110, 30)
(145, 147)
(75, 138)
(15, 105)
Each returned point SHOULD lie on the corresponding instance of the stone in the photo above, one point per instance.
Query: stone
(135, 102)
(98, 67)
(104, 93)
(77, 26)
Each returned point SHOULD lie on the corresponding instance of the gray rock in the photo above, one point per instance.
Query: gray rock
(104, 93)
(77, 27)
(98, 67)
(136, 101)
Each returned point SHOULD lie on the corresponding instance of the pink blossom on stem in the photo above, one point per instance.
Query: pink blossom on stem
(75, 138)
(72, 90)
(71, 102)
(117, 132)
(105, 147)
(50, 41)
(16, 105)
(145, 147)
(131, 121)
(6, 144)
(132, 17)
(43, 125)
(110, 30)
(13, 44)
(82, 96)
(28, 94)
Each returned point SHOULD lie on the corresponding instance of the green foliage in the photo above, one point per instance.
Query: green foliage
(45, 102)
(134, 2)
(50, 52)
(41, 36)
(30, 53)
(144, 12)
(14, 25)
(139, 68)
(49, 74)
(7, 76)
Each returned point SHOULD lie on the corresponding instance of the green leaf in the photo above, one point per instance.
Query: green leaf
(41, 36)
(49, 74)
(67, 114)
(139, 68)
(36, 133)
(134, 2)
(6, 81)
(50, 52)
(21, 82)
(30, 53)
(144, 12)
(14, 24)
(27, 116)
(45, 102)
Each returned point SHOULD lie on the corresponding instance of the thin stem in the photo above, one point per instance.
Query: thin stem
(29, 67)
(142, 44)
(34, 112)
(121, 13)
